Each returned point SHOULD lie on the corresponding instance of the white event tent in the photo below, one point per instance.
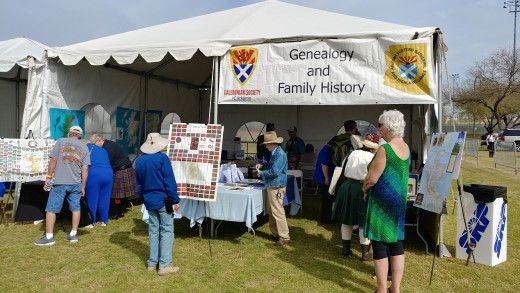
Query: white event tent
(184, 67)
(17, 57)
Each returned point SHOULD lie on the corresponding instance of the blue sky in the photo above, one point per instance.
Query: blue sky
(472, 28)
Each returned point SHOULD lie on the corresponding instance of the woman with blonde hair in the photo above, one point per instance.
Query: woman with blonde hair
(385, 190)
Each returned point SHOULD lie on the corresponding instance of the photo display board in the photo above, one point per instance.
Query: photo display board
(442, 166)
(194, 152)
(24, 159)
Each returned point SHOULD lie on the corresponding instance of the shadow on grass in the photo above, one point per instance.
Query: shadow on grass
(135, 246)
(326, 262)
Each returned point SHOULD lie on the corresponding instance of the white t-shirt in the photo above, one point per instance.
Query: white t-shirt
(357, 163)
(491, 137)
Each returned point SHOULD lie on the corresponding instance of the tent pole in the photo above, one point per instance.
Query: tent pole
(17, 102)
(216, 63)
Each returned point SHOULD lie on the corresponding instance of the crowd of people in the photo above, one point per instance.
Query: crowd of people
(371, 192)
(102, 173)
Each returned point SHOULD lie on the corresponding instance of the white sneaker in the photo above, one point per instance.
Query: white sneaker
(89, 226)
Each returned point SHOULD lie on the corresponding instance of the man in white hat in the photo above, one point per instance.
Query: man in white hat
(275, 175)
(68, 166)
(157, 188)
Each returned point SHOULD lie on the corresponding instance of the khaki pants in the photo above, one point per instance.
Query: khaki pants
(274, 207)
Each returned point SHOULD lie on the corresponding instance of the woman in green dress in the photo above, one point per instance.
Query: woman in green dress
(385, 190)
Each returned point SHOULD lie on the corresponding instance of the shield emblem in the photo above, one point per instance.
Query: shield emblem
(243, 63)
(408, 67)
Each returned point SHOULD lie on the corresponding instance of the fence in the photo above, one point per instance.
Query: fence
(471, 148)
(505, 155)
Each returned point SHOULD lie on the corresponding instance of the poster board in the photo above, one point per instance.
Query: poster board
(194, 151)
(61, 120)
(127, 129)
(442, 166)
(24, 159)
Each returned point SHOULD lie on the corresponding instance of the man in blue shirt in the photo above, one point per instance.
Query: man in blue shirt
(275, 176)
(157, 188)
(322, 176)
(294, 148)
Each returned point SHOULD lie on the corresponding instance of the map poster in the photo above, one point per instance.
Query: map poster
(152, 122)
(127, 129)
(61, 120)
(442, 166)
(194, 151)
(24, 159)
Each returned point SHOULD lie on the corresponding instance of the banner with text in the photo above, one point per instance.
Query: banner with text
(341, 72)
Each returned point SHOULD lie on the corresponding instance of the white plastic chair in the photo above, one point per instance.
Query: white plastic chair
(298, 174)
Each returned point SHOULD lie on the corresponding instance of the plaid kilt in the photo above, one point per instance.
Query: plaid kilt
(125, 184)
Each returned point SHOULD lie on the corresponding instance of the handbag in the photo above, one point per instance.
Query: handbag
(85, 214)
(338, 177)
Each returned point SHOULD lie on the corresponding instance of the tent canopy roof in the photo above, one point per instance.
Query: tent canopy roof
(15, 51)
(213, 34)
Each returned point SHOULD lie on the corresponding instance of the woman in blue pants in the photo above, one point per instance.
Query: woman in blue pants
(99, 183)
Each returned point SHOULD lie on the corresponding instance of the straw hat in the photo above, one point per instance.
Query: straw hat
(371, 140)
(271, 137)
(154, 143)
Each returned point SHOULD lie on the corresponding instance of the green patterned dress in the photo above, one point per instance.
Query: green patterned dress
(386, 206)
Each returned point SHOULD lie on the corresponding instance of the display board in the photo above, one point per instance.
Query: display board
(442, 166)
(61, 120)
(194, 151)
(24, 159)
(127, 129)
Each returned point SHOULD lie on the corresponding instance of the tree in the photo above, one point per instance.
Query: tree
(492, 90)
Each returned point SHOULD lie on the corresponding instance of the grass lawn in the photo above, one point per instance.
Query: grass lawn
(113, 258)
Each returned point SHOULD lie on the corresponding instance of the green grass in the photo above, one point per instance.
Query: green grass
(113, 258)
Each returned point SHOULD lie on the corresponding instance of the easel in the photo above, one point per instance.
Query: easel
(439, 234)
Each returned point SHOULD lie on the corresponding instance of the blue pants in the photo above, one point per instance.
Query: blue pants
(98, 190)
(160, 232)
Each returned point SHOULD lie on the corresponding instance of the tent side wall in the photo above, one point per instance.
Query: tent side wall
(73, 87)
(10, 120)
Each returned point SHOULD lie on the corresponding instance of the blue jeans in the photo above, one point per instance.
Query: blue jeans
(58, 194)
(160, 232)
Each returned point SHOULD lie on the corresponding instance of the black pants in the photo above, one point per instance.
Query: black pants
(326, 204)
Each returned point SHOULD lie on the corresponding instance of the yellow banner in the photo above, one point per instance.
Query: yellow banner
(408, 68)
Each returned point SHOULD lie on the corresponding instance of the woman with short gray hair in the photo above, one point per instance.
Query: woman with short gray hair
(385, 190)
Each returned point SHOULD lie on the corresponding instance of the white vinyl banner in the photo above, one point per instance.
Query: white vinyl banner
(330, 72)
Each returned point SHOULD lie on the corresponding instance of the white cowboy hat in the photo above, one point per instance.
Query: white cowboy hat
(271, 137)
(154, 143)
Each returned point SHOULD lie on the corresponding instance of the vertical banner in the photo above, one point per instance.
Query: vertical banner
(194, 151)
(442, 166)
(24, 159)
(127, 129)
(152, 122)
(330, 72)
(62, 119)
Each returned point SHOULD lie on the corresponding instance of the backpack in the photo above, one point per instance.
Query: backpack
(341, 148)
